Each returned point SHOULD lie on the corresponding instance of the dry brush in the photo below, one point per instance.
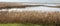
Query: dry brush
(30, 17)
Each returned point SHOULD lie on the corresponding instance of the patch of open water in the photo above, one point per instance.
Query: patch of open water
(38, 8)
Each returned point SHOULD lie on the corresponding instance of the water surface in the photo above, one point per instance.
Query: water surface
(38, 8)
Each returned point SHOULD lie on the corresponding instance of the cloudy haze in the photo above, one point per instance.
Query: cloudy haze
(39, 1)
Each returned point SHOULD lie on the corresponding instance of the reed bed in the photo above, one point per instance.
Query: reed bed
(30, 17)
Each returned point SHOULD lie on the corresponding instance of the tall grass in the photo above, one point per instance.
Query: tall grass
(30, 17)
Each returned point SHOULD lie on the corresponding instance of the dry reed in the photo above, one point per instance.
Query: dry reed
(30, 17)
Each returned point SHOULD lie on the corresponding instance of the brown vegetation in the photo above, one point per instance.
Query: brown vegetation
(30, 17)
(11, 5)
(8, 5)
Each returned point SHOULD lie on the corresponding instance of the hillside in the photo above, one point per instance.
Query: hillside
(10, 5)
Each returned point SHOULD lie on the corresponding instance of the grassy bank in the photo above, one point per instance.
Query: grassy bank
(20, 24)
(15, 24)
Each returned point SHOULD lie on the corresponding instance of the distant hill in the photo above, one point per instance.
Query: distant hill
(10, 4)
(7, 5)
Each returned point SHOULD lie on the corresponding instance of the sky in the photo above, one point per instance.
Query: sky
(38, 1)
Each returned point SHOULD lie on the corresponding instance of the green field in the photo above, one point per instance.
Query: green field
(19, 24)
(14, 24)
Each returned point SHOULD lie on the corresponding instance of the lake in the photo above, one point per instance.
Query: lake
(38, 8)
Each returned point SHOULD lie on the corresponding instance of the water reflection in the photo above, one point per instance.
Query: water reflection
(38, 8)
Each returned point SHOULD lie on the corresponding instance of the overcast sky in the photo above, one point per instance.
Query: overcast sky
(39, 1)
